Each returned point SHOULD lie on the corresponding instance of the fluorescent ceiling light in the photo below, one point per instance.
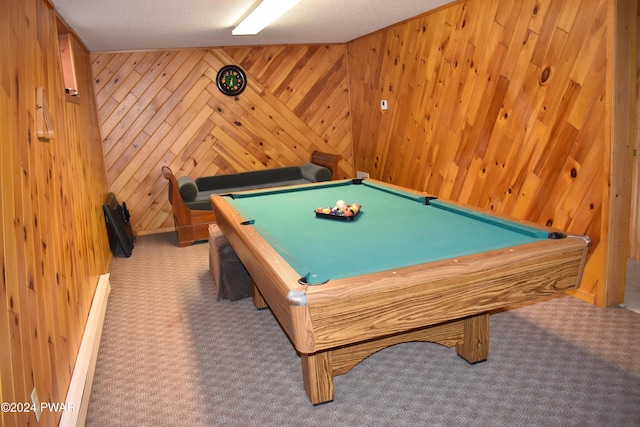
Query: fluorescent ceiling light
(263, 15)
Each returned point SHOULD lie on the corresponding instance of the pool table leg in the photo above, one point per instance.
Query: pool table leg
(317, 376)
(258, 299)
(474, 347)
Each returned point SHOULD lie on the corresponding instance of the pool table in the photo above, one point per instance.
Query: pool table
(407, 267)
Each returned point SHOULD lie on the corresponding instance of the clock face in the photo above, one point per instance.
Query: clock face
(231, 80)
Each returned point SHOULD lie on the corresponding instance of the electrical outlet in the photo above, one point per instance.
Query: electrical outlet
(36, 404)
(384, 105)
(360, 174)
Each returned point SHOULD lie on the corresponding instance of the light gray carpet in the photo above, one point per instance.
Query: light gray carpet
(171, 355)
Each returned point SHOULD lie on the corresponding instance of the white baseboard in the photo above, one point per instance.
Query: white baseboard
(77, 401)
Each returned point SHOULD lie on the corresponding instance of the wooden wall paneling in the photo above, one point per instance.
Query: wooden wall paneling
(58, 351)
(53, 237)
(290, 138)
(285, 80)
(310, 95)
(140, 123)
(126, 76)
(361, 85)
(147, 116)
(12, 380)
(6, 383)
(62, 211)
(154, 75)
(634, 234)
(120, 122)
(140, 158)
(181, 103)
(397, 88)
(36, 294)
(274, 66)
(289, 86)
(95, 253)
(154, 217)
(24, 303)
(104, 69)
(169, 111)
(620, 115)
(506, 111)
(39, 203)
(279, 131)
(44, 260)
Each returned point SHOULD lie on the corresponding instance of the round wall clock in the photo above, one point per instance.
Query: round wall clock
(231, 80)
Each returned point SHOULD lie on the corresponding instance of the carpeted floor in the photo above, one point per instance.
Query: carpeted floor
(171, 355)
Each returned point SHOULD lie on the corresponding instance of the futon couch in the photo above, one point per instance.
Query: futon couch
(189, 197)
(195, 192)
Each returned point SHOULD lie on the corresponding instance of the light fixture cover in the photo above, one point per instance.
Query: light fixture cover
(263, 15)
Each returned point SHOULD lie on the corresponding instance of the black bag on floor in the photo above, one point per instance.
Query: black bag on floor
(121, 237)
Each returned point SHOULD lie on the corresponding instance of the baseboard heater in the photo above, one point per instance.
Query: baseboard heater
(82, 377)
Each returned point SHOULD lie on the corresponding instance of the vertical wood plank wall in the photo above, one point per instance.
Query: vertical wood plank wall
(620, 114)
(53, 241)
(163, 108)
(634, 235)
(499, 104)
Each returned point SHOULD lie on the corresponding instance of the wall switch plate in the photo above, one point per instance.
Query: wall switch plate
(384, 105)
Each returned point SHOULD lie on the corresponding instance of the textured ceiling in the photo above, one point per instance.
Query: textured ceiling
(117, 25)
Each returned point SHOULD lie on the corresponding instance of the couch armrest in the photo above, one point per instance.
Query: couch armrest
(180, 210)
(191, 225)
(315, 173)
(188, 188)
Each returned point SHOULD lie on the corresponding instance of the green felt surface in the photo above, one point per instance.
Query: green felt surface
(394, 229)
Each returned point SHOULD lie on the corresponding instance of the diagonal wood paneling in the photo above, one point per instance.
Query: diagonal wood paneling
(163, 108)
(495, 103)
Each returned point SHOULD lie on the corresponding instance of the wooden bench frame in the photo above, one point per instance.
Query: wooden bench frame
(193, 225)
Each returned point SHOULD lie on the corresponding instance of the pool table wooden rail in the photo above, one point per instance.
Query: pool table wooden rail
(390, 302)
(270, 273)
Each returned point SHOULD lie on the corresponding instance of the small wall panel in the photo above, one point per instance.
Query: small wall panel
(163, 108)
(498, 104)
